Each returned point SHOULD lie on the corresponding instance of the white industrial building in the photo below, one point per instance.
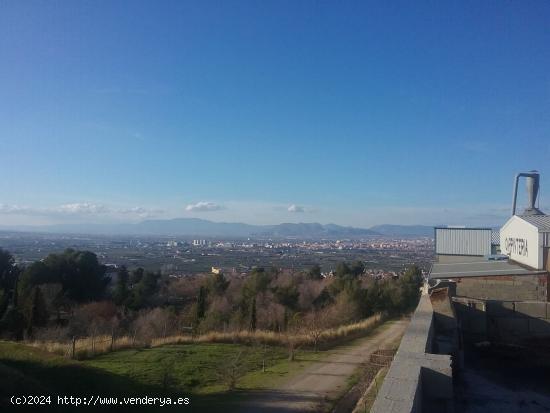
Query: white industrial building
(525, 239)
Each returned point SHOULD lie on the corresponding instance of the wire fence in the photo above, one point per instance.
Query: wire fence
(89, 346)
(84, 347)
(379, 362)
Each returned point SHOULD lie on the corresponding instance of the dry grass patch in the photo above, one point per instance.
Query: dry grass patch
(300, 337)
(87, 346)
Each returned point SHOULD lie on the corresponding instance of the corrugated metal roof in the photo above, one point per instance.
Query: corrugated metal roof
(542, 222)
(478, 269)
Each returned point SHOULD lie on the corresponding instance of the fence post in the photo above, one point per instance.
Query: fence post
(93, 344)
(112, 339)
(73, 347)
(263, 359)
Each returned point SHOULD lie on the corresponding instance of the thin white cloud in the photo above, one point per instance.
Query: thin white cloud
(260, 212)
(84, 208)
(16, 209)
(296, 208)
(140, 212)
(203, 206)
(80, 209)
(133, 210)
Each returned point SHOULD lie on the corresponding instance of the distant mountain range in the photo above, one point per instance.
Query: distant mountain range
(203, 228)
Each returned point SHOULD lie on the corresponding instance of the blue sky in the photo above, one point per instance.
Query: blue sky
(356, 113)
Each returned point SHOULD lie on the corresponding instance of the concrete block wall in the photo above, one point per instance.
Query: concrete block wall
(531, 309)
(446, 339)
(443, 309)
(472, 318)
(523, 319)
(504, 287)
(539, 327)
(416, 378)
(508, 321)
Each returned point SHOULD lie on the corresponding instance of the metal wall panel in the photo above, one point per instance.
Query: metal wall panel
(463, 241)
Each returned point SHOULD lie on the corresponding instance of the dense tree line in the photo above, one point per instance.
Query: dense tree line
(70, 294)
(136, 291)
(53, 285)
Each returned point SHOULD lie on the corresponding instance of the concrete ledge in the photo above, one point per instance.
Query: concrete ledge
(436, 372)
(400, 394)
(418, 336)
(416, 376)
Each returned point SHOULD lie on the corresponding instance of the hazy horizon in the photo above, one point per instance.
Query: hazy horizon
(113, 227)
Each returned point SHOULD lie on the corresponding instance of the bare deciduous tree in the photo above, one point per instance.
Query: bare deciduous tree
(230, 372)
(154, 323)
(309, 291)
(315, 323)
(94, 318)
(293, 335)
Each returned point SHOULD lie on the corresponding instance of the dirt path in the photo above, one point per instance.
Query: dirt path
(323, 380)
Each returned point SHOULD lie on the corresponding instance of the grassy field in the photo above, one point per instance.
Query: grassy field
(200, 368)
(201, 372)
(213, 375)
(28, 371)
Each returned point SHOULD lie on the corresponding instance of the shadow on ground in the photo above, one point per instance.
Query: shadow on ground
(270, 401)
